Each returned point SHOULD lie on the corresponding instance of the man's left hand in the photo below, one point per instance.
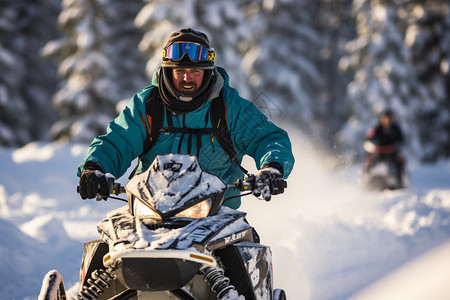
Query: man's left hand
(269, 181)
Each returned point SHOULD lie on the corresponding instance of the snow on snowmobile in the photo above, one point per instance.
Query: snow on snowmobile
(380, 171)
(174, 240)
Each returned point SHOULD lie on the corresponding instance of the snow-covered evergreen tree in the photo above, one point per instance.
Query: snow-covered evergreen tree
(99, 61)
(335, 26)
(223, 22)
(384, 77)
(26, 80)
(282, 61)
(128, 62)
(428, 36)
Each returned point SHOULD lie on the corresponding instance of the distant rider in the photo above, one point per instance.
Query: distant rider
(384, 142)
(187, 81)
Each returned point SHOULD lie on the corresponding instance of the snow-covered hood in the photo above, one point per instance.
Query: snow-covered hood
(172, 181)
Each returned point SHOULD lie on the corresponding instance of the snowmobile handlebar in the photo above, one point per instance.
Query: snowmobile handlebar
(246, 184)
(373, 148)
(115, 187)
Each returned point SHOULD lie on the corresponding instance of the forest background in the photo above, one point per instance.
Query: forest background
(327, 67)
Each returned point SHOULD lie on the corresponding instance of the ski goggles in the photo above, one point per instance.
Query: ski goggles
(196, 52)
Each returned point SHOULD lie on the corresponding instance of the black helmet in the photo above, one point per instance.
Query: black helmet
(387, 112)
(188, 48)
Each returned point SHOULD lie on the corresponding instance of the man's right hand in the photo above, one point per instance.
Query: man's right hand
(269, 181)
(93, 181)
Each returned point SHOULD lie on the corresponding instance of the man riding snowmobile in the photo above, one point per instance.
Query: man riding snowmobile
(383, 144)
(187, 86)
(191, 109)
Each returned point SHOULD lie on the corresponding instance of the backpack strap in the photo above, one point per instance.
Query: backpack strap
(170, 129)
(220, 129)
(154, 110)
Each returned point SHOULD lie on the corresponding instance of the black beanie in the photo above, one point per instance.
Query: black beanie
(188, 35)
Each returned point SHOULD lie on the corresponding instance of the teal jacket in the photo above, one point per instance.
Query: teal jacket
(252, 132)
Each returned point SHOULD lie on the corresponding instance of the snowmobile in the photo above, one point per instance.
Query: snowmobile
(380, 172)
(174, 240)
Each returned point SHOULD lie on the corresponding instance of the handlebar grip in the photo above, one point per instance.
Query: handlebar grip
(114, 188)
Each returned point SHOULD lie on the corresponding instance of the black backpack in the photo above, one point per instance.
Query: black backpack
(154, 109)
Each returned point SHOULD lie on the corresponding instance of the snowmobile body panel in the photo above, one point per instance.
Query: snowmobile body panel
(136, 268)
(140, 273)
(121, 230)
(93, 260)
(250, 269)
(92, 251)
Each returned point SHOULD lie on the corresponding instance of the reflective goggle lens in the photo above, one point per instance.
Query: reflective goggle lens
(196, 52)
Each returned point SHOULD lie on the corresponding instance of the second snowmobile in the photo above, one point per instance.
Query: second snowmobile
(380, 170)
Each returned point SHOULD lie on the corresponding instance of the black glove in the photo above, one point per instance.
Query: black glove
(93, 181)
(269, 181)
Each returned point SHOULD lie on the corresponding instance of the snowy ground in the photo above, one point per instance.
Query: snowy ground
(330, 239)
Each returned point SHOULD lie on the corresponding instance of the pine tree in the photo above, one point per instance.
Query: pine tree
(99, 61)
(26, 80)
(335, 26)
(282, 61)
(428, 36)
(123, 39)
(384, 77)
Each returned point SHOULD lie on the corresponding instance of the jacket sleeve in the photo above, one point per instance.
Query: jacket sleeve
(255, 135)
(124, 139)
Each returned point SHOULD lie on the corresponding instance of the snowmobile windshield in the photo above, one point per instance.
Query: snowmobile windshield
(174, 181)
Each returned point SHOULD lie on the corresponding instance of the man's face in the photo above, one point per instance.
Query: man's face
(386, 121)
(187, 80)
